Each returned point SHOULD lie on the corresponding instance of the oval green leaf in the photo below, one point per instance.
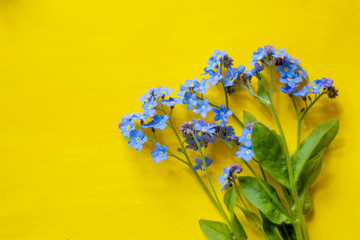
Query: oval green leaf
(268, 153)
(256, 194)
(316, 141)
(215, 230)
(248, 118)
(229, 200)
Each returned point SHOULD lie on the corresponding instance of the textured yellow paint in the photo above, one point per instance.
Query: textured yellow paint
(70, 69)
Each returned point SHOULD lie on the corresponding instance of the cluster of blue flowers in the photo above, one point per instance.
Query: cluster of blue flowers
(192, 92)
(292, 74)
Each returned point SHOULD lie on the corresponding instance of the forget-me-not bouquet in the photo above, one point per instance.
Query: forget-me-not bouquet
(257, 198)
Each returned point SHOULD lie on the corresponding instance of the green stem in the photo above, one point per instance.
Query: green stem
(300, 221)
(241, 198)
(271, 81)
(312, 103)
(189, 162)
(298, 123)
(263, 173)
(209, 179)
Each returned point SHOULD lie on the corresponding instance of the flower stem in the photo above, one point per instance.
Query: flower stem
(190, 164)
(271, 81)
(241, 198)
(209, 179)
(299, 225)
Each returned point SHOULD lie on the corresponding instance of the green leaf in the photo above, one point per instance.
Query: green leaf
(251, 217)
(229, 200)
(215, 230)
(260, 198)
(248, 118)
(311, 170)
(238, 229)
(316, 141)
(269, 154)
(262, 92)
(308, 175)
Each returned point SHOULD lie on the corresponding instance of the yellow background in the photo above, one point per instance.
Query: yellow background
(70, 69)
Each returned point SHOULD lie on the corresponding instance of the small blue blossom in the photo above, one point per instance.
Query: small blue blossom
(190, 83)
(137, 139)
(204, 128)
(222, 113)
(190, 100)
(245, 137)
(225, 132)
(287, 69)
(303, 92)
(324, 82)
(200, 164)
(149, 107)
(182, 91)
(291, 80)
(203, 107)
(278, 53)
(159, 153)
(149, 124)
(258, 55)
(316, 88)
(160, 121)
(257, 68)
(126, 127)
(287, 89)
(218, 55)
(201, 86)
(245, 153)
(223, 178)
(212, 63)
(162, 91)
(215, 77)
(232, 74)
(139, 116)
(147, 96)
(171, 102)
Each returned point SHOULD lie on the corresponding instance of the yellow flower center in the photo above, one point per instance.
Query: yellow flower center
(286, 69)
(128, 127)
(248, 136)
(248, 151)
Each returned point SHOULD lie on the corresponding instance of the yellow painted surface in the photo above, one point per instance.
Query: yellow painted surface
(70, 69)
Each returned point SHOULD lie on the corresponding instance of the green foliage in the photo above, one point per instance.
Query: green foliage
(252, 218)
(315, 142)
(237, 228)
(263, 199)
(229, 200)
(262, 92)
(248, 118)
(269, 154)
(215, 230)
